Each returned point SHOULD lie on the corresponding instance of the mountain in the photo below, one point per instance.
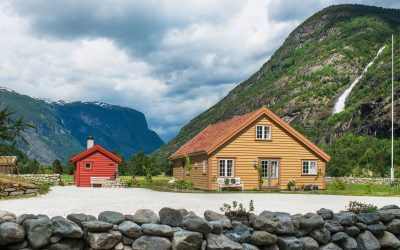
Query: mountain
(60, 128)
(317, 62)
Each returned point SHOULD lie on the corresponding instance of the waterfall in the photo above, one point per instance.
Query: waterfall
(341, 101)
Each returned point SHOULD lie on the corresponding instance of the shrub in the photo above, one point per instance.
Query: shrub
(182, 184)
(339, 185)
(291, 183)
(237, 211)
(360, 207)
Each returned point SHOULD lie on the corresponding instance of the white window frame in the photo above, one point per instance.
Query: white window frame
(306, 165)
(226, 167)
(90, 165)
(264, 136)
(204, 167)
(268, 173)
(264, 174)
(277, 168)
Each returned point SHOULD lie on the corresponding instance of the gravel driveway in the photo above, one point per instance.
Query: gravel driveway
(71, 199)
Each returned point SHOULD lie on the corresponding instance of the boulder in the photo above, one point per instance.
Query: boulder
(282, 216)
(349, 244)
(6, 216)
(289, 243)
(395, 212)
(388, 240)
(330, 246)
(147, 242)
(262, 223)
(394, 226)
(346, 218)
(386, 216)
(187, 240)
(247, 246)
(126, 240)
(17, 246)
(65, 228)
(352, 230)
(217, 227)
(361, 226)
(376, 229)
(311, 222)
(23, 217)
(148, 214)
(322, 235)
(38, 231)
(111, 217)
(157, 230)
(170, 216)
(11, 232)
(130, 229)
(309, 243)
(387, 207)
(213, 216)
(220, 241)
(267, 214)
(77, 218)
(68, 244)
(366, 240)
(286, 227)
(333, 226)
(119, 246)
(368, 218)
(195, 223)
(339, 236)
(97, 226)
(262, 238)
(239, 234)
(104, 240)
(326, 214)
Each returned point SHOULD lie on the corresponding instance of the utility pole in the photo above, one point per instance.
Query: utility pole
(392, 149)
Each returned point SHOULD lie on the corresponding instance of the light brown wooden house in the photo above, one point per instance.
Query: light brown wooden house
(8, 165)
(235, 147)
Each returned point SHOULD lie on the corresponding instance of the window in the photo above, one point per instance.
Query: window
(88, 165)
(264, 168)
(263, 132)
(226, 168)
(274, 169)
(309, 167)
(204, 167)
(269, 168)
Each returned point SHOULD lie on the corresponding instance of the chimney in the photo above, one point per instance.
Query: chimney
(90, 142)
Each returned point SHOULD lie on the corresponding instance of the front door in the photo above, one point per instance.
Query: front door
(270, 170)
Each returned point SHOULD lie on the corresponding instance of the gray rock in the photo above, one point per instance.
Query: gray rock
(389, 207)
(149, 214)
(65, 228)
(376, 229)
(247, 246)
(324, 211)
(16, 193)
(157, 230)
(138, 219)
(307, 215)
(282, 216)
(267, 214)
(147, 242)
(20, 245)
(43, 216)
(183, 211)
(220, 241)
(330, 246)
(395, 212)
(340, 236)
(30, 191)
(104, 240)
(333, 226)
(286, 227)
(187, 240)
(111, 217)
(68, 244)
(311, 222)
(170, 216)
(97, 226)
(368, 218)
(366, 240)
(11, 232)
(361, 226)
(216, 227)
(77, 218)
(262, 238)
(38, 232)
(130, 229)
(239, 234)
(388, 240)
(346, 219)
(126, 240)
(55, 239)
(352, 230)
(302, 232)
(213, 216)
(119, 246)
(394, 226)
(195, 223)
(386, 216)
(349, 244)
(289, 243)
(262, 223)
(23, 217)
(309, 243)
(322, 235)
(6, 216)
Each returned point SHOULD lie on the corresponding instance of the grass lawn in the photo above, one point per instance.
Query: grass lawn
(363, 190)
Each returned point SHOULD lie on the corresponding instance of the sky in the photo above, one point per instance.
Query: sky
(171, 60)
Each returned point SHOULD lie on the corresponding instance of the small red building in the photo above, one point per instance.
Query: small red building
(93, 164)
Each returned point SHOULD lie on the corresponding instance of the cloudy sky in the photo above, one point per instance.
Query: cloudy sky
(170, 60)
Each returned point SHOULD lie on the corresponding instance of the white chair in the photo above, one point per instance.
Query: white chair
(230, 182)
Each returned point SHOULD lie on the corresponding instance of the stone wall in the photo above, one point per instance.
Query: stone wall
(55, 178)
(182, 230)
(15, 189)
(358, 180)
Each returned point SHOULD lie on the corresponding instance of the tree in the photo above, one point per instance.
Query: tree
(57, 167)
(31, 167)
(10, 129)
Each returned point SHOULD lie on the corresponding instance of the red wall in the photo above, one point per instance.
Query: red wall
(102, 166)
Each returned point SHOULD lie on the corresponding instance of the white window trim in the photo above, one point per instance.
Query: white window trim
(204, 167)
(263, 136)
(269, 172)
(226, 167)
(90, 164)
(309, 165)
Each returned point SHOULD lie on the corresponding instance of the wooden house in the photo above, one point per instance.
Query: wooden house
(249, 146)
(94, 164)
(8, 165)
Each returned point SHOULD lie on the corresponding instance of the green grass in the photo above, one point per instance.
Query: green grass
(159, 182)
(67, 179)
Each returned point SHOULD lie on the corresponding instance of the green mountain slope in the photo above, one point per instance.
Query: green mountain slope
(60, 129)
(317, 62)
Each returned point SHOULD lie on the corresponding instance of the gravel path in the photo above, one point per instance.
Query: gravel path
(70, 199)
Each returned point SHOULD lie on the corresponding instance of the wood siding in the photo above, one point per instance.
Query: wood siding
(244, 149)
(102, 166)
(199, 179)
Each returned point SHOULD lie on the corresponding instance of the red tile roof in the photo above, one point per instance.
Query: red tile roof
(95, 148)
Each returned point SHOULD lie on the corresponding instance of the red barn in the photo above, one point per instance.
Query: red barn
(95, 162)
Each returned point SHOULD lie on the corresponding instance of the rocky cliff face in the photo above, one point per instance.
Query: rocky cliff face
(60, 129)
(306, 75)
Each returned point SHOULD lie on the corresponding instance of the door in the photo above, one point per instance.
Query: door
(270, 170)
